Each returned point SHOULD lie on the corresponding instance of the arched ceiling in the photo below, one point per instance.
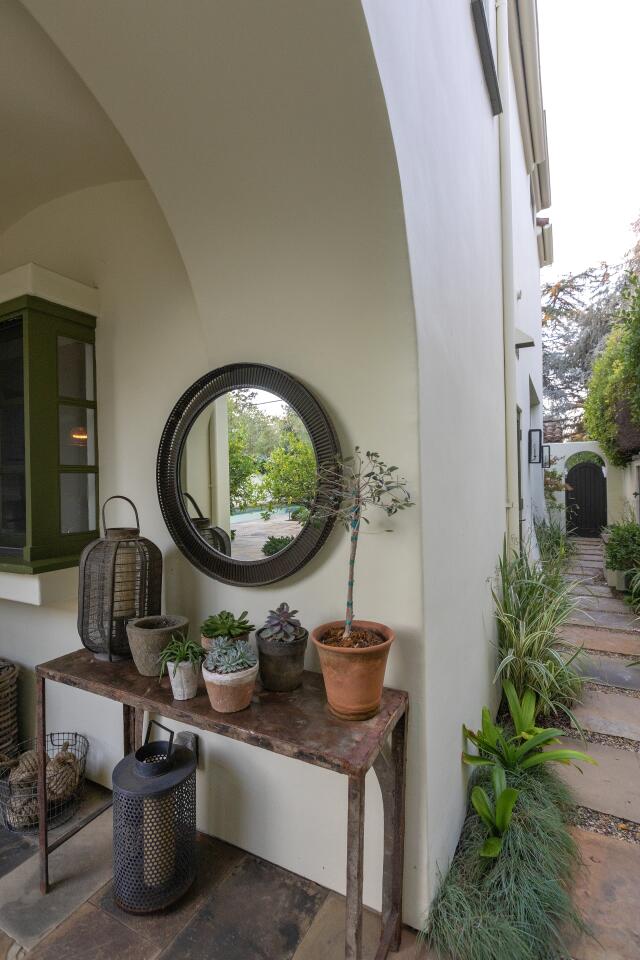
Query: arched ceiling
(261, 127)
(55, 136)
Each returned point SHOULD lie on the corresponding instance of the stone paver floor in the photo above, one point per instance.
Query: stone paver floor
(239, 908)
(607, 892)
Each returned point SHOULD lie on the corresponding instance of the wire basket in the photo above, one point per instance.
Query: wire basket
(66, 760)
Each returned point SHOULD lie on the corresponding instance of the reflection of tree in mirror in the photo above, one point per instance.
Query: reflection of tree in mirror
(290, 475)
(272, 472)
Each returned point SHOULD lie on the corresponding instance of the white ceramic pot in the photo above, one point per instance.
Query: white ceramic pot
(184, 681)
(230, 692)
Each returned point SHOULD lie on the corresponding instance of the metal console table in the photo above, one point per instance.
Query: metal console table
(297, 725)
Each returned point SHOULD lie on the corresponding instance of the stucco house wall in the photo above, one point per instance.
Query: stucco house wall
(328, 201)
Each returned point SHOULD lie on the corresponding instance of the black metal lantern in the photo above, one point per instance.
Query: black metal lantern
(120, 578)
(535, 446)
(216, 536)
(546, 456)
(154, 825)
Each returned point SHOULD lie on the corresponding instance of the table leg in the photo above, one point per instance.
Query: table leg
(391, 774)
(41, 733)
(128, 728)
(355, 865)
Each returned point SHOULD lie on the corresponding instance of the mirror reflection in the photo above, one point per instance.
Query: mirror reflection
(248, 474)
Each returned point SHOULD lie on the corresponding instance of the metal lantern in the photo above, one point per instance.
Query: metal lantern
(216, 536)
(120, 578)
(154, 825)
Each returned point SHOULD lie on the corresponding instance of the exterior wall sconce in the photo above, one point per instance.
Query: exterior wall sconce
(535, 446)
(486, 56)
(546, 456)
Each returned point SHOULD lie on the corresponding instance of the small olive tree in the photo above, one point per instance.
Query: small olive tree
(346, 489)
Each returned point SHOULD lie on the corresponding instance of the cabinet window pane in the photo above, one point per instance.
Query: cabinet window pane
(76, 429)
(75, 369)
(12, 483)
(77, 502)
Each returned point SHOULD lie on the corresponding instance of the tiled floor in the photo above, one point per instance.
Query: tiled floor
(239, 908)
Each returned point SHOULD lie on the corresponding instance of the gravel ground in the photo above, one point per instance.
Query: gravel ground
(606, 824)
(608, 688)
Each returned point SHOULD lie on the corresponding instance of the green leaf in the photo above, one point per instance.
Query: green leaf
(504, 808)
(499, 780)
(557, 756)
(483, 807)
(491, 847)
(475, 761)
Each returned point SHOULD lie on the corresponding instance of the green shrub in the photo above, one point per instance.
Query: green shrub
(532, 601)
(275, 545)
(615, 385)
(496, 814)
(622, 550)
(553, 542)
(511, 907)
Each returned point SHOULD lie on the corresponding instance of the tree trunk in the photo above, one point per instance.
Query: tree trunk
(355, 530)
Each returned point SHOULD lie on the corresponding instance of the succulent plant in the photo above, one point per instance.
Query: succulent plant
(281, 624)
(225, 624)
(230, 656)
(180, 648)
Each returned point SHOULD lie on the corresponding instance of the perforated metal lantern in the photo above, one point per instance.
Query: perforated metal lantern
(154, 825)
(216, 536)
(120, 578)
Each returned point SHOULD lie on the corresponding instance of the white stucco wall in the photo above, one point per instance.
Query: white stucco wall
(447, 146)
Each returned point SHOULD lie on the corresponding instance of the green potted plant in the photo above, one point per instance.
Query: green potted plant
(181, 660)
(224, 626)
(282, 642)
(148, 636)
(622, 553)
(230, 669)
(353, 653)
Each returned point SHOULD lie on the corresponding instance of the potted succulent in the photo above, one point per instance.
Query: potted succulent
(225, 626)
(282, 642)
(181, 660)
(148, 636)
(353, 653)
(230, 669)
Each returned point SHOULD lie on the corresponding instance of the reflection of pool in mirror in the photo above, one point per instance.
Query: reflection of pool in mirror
(248, 474)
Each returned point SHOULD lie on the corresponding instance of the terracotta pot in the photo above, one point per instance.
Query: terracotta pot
(208, 642)
(354, 677)
(230, 692)
(281, 663)
(184, 682)
(148, 636)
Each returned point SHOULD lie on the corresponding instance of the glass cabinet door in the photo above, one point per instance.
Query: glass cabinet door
(12, 456)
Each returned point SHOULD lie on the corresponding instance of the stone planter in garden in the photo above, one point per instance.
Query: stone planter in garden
(148, 636)
(282, 643)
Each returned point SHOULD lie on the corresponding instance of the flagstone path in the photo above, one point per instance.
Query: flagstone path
(607, 890)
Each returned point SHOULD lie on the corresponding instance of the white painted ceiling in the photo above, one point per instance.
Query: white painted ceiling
(54, 136)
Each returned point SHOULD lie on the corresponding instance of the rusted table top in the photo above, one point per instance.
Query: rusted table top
(297, 724)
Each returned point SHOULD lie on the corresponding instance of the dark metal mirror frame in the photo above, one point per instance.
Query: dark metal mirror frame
(240, 376)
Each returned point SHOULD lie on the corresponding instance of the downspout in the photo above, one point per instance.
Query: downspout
(508, 285)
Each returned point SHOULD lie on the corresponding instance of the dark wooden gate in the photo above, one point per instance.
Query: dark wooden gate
(586, 501)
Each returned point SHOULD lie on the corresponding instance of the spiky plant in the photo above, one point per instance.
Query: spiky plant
(346, 489)
(180, 648)
(281, 624)
(230, 656)
(225, 624)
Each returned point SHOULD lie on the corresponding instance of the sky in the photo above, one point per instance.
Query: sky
(589, 59)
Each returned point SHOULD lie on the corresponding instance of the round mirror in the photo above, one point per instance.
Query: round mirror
(237, 469)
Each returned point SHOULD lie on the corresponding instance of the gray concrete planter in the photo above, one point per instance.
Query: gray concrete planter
(281, 663)
(148, 636)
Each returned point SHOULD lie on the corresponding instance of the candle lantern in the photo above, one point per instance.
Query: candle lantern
(216, 536)
(120, 578)
(154, 825)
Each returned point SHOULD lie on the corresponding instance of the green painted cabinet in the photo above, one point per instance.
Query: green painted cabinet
(48, 435)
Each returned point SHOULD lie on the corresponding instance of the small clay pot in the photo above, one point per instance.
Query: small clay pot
(354, 676)
(184, 682)
(208, 642)
(148, 636)
(281, 662)
(230, 692)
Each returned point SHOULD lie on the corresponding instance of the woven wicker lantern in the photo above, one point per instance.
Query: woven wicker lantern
(120, 578)
(216, 536)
